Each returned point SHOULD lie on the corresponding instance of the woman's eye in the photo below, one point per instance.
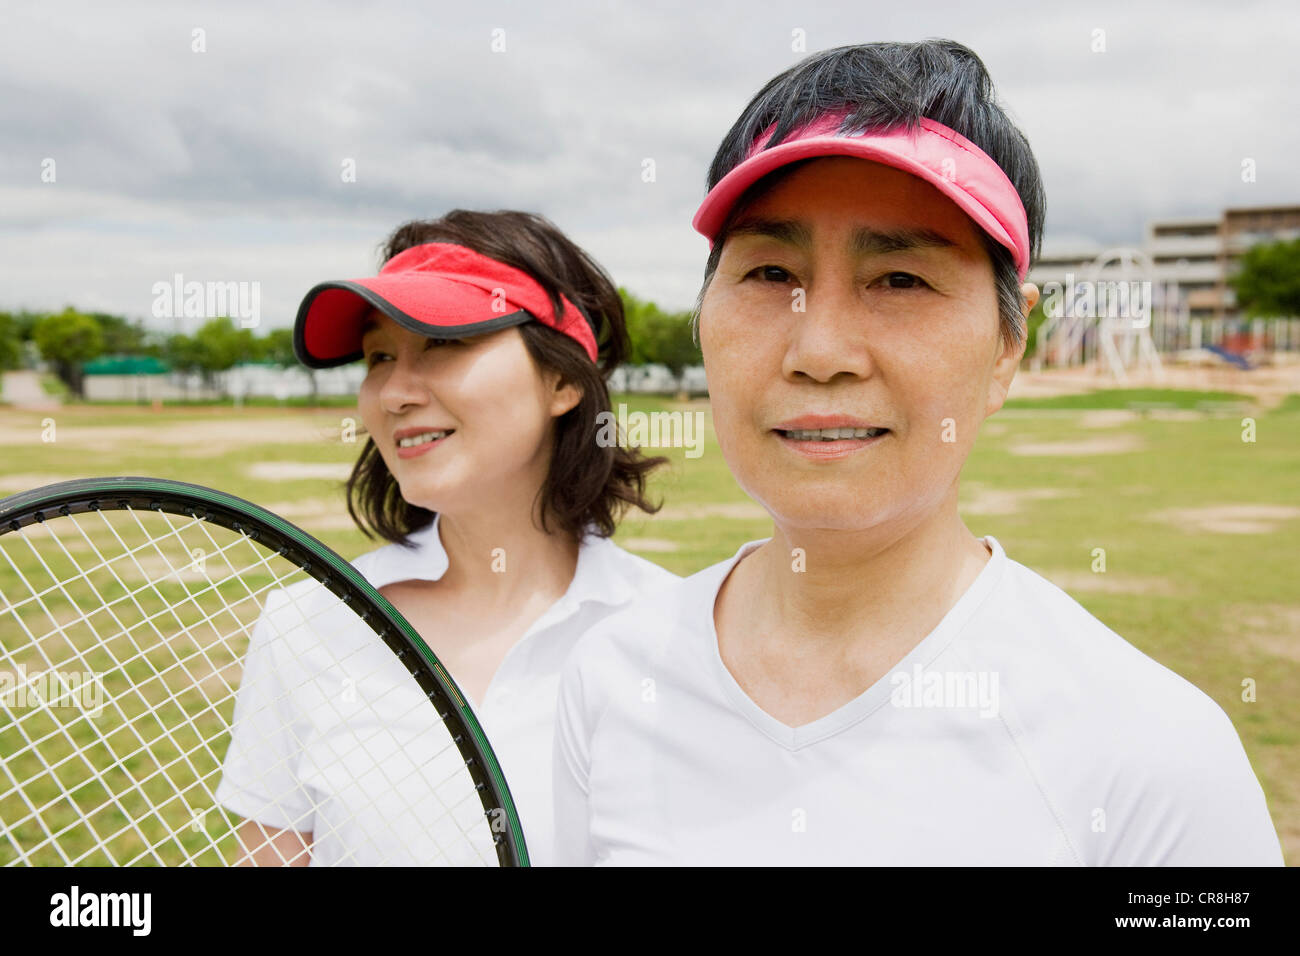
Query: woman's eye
(374, 358)
(770, 274)
(903, 280)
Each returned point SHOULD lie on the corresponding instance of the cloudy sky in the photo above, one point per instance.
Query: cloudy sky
(225, 164)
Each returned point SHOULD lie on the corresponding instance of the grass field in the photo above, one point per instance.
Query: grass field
(1199, 528)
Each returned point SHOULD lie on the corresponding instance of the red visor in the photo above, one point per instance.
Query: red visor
(932, 152)
(437, 289)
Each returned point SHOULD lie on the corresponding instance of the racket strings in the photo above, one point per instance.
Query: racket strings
(75, 751)
(456, 774)
(140, 789)
(118, 663)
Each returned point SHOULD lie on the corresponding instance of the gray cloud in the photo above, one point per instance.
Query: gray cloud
(226, 164)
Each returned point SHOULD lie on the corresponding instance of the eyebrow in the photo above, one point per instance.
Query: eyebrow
(863, 241)
(368, 324)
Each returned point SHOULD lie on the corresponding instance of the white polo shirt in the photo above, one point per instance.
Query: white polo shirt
(332, 737)
(1020, 731)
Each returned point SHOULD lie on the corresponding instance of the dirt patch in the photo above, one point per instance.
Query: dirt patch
(1268, 386)
(1228, 519)
(23, 389)
(299, 471)
(1273, 629)
(735, 510)
(1107, 418)
(1177, 415)
(1117, 445)
(197, 438)
(649, 544)
(307, 508)
(315, 514)
(340, 521)
(984, 500)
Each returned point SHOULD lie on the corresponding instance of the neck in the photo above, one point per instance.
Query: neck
(500, 554)
(888, 585)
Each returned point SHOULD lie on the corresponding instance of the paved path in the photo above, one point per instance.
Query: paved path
(22, 389)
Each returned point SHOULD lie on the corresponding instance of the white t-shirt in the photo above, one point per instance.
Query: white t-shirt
(331, 736)
(1021, 731)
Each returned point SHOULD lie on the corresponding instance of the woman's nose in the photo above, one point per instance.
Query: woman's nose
(405, 385)
(829, 338)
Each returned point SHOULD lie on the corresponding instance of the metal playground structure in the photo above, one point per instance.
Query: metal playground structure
(1117, 317)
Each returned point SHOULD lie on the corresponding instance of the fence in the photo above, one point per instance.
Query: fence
(262, 381)
(1070, 341)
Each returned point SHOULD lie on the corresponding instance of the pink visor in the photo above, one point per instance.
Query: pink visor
(438, 289)
(942, 157)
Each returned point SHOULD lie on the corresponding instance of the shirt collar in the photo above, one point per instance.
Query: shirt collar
(424, 560)
(596, 578)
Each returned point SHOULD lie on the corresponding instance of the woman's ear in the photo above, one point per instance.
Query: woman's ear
(1008, 361)
(564, 394)
(1029, 292)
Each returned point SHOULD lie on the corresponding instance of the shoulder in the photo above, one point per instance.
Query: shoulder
(641, 573)
(664, 624)
(389, 562)
(1103, 727)
(1056, 649)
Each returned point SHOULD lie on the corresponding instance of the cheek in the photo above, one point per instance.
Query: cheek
(727, 365)
(368, 405)
(937, 390)
(503, 397)
(739, 369)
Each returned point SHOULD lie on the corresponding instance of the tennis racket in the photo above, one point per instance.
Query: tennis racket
(188, 679)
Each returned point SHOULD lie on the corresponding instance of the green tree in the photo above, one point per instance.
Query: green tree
(121, 336)
(670, 342)
(11, 343)
(219, 346)
(277, 348)
(67, 340)
(1268, 283)
(637, 316)
(182, 353)
(27, 322)
(659, 337)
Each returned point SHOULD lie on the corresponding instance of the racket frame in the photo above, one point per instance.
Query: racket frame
(84, 495)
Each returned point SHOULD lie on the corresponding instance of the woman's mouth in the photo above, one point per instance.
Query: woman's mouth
(823, 443)
(413, 445)
(830, 434)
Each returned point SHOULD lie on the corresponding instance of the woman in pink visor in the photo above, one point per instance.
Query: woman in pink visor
(874, 684)
(488, 339)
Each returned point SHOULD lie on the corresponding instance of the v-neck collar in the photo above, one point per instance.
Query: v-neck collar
(862, 706)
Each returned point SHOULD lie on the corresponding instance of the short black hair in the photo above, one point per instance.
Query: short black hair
(888, 86)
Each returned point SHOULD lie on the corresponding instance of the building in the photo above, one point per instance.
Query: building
(1200, 255)
(1196, 256)
(1059, 260)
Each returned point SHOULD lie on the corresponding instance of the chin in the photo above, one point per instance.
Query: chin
(823, 520)
(425, 495)
(811, 508)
